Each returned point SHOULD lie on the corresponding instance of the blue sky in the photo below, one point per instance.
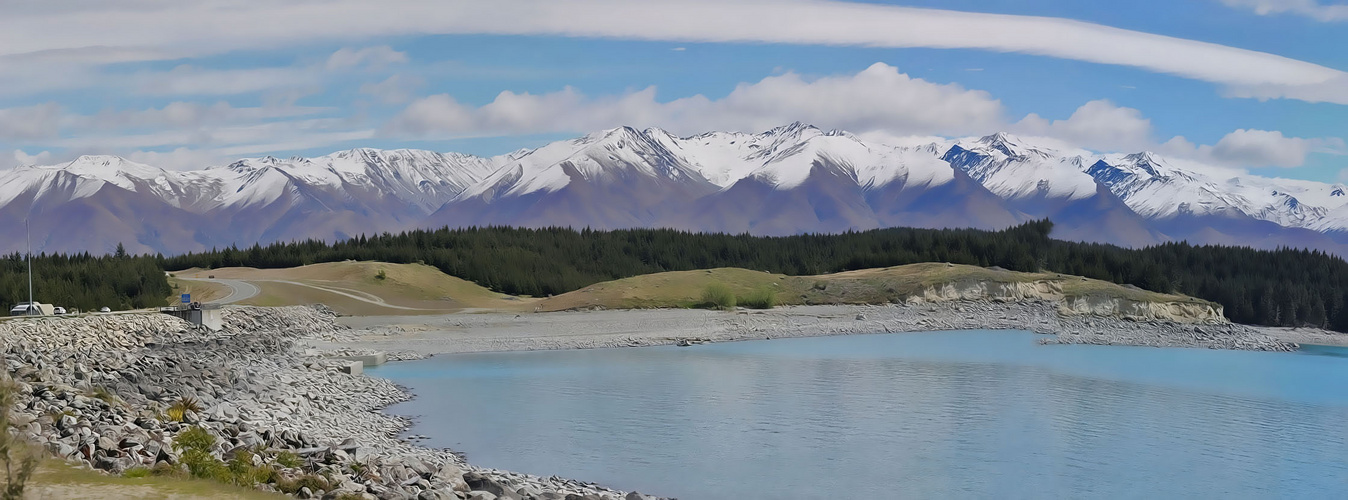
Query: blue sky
(1244, 84)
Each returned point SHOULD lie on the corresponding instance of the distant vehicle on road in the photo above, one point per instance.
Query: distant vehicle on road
(104, 310)
(58, 310)
(31, 309)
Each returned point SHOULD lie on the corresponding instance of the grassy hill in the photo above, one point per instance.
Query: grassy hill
(355, 288)
(866, 286)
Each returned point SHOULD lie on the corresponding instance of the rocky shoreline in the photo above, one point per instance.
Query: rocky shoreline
(94, 390)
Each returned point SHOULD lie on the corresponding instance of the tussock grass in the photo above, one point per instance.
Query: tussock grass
(761, 298)
(718, 296)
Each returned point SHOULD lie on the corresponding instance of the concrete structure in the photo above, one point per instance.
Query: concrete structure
(207, 315)
(368, 360)
(353, 367)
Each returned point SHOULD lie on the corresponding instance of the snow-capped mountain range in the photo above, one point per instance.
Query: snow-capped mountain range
(788, 180)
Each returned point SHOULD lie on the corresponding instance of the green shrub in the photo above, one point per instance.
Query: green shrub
(312, 481)
(288, 460)
(718, 296)
(138, 472)
(196, 438)
(762, 298)
(381, 275)
(187, 403)
(203, 465)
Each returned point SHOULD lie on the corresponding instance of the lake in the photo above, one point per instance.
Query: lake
(970, 414)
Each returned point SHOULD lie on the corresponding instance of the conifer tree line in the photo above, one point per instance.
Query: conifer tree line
(85, 282)
(1280, 288)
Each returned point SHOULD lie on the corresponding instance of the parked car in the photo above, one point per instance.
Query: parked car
(58, 310)
(104, 310)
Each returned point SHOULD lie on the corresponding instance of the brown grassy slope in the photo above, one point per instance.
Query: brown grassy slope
(355, 288)
(867, 286)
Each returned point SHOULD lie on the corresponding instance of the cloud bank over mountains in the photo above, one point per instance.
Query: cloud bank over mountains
(178, 109)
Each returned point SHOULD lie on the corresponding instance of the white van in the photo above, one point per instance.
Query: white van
(31, 309)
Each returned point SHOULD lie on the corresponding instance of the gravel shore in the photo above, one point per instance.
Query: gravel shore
(419, 336)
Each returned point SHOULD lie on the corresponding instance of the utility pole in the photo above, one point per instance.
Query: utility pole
(29, 231)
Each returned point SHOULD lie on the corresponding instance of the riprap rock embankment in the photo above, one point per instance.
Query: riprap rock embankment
(95, 389)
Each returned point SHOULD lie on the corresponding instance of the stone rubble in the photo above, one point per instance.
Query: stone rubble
(93, 390)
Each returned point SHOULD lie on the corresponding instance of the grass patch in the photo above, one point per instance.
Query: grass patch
(761, 298)
(718, 296)
(56, 479)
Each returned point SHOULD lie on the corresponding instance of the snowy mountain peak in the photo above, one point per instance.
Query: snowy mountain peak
(1147, 162)
(1006, 144)
(793, 128)
(114, 170)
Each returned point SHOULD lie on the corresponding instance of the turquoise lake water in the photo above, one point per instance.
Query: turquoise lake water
(976, 414)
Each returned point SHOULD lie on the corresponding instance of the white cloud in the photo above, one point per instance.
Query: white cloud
(879, 97)
(23, 158)
(1308, 8)
(878, 103)
(1098, 125)
(190, 80)
(32, 122)
(396, 89)
(200, 28)
(1104, 127)
(372, 57)
(1252, 148)
(181, 114)
(1265, 148)
(183, 158)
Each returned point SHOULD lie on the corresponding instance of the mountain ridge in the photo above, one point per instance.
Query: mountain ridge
(791, 179)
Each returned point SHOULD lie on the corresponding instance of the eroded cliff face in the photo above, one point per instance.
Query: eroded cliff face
(1180, 312)
(992, 290)
(1052, 291)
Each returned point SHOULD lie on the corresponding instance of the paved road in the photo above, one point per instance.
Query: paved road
(238, 290)
(355, 294)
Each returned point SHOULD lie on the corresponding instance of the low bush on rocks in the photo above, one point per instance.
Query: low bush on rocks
(288, 459)
(196, 444)
(314, 482)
